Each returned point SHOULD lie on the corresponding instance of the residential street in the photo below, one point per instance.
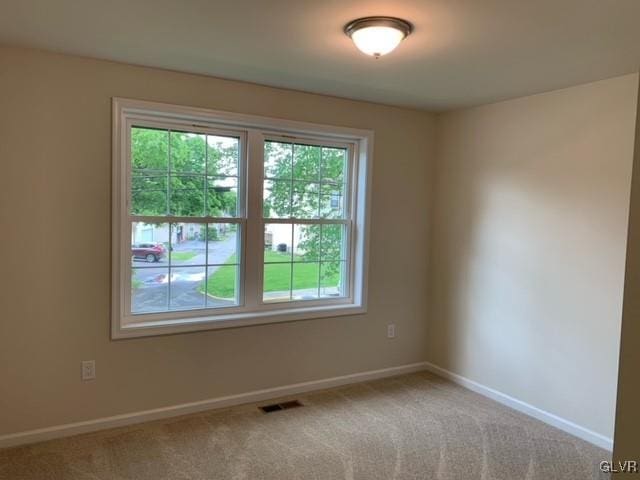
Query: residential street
(154, 291)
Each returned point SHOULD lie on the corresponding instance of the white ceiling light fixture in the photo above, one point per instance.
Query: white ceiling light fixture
(377, 36)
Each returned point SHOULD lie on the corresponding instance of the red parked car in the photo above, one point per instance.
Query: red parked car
(151, 252)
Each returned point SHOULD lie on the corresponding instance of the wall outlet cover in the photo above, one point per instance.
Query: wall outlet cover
(391, 330)
(88, 369)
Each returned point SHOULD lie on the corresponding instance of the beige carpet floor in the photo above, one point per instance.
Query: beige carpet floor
(415, 426)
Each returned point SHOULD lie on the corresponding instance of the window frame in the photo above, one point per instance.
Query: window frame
(253, 131)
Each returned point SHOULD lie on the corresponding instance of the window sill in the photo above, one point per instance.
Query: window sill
(235, 320)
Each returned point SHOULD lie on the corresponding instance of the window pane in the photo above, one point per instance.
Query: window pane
(149, 243)
(332, 201)
(305, 200)
(188, 153)
(306, 162)
(332, 243)
(222, 196)
(277, 242)
(222, 285)
(305, 281)
(188, 245)
(148, 194)
(222, 155)
(333, 166)
(186, 195)
(149, 149)
(186, 288)
(331, 279)
(277, 199)
(223, 244)
(306, 243)
(223, 260)
(277, 282)
(193, 265)
(149, 290)
(277, 160)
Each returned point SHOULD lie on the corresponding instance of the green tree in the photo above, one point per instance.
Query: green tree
(306, 181)
(182, 173)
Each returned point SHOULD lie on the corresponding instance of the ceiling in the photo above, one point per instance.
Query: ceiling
(462, 52)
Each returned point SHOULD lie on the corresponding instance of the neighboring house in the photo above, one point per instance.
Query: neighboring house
(174, 235)
(280, 234)
(149, 233)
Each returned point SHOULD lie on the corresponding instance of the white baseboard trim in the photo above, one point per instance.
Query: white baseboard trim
(535, 412)
(66, 430)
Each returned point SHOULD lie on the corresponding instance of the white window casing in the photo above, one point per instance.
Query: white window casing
(252, 131)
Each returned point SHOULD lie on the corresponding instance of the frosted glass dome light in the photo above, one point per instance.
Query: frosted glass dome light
(377, 36)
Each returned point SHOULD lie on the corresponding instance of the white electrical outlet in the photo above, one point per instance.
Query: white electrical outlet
(88, 369)
(391, 330)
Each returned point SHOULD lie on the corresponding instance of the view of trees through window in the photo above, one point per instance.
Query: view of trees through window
(186, 223)
(181, 265)
(183, 174)
(304, 212)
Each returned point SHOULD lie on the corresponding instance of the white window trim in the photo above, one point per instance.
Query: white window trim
(126, 110)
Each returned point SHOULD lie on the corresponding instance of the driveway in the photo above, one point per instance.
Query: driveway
(154, 286)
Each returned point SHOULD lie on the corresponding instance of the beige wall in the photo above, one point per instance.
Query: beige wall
(529, 243)
(528, 229)
(627, 435)
(55, 152)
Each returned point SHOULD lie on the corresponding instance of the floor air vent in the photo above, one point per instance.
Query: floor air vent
(274, 407)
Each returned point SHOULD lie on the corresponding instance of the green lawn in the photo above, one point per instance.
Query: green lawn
(222, 283)
(182, 256)
(277, 277)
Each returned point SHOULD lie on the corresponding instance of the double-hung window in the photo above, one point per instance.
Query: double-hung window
(226, 220)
